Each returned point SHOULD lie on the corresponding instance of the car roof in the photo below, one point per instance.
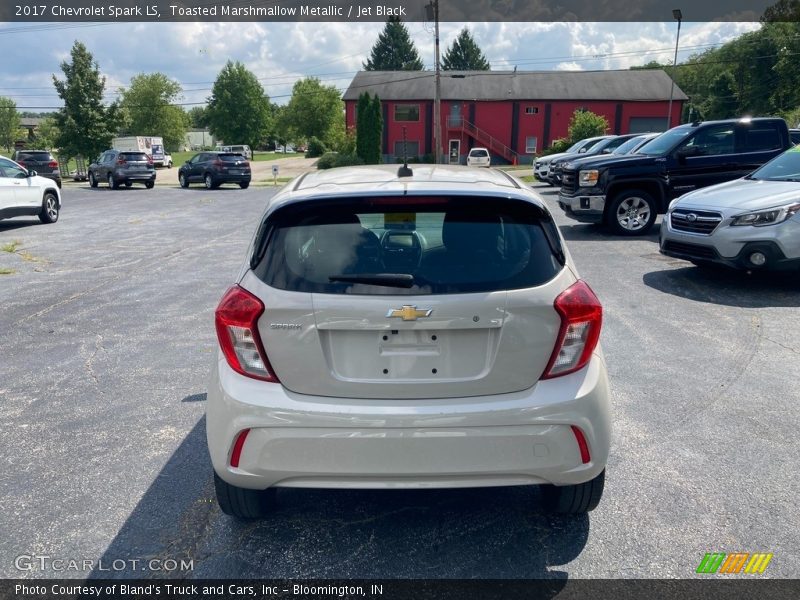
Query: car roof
(384, 180)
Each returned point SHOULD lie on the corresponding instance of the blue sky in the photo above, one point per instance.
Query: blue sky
(280, 53)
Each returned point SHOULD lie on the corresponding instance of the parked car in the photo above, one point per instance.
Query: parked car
(23, 192)
(631, 146)
(479, 157)
(418, 331)
(41, 161)
(603, 147)
(118, 168)
(750, 223)
(215, 168)
(628, 192)
(541, 165)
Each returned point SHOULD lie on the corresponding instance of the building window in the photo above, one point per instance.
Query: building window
(530, 144)
(412, 149)
(531, 110)
(406, 112)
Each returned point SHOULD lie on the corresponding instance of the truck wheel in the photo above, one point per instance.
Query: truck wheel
(243, 503)
(574, 499)
(49, 213)
(632, 212)
(92, 180)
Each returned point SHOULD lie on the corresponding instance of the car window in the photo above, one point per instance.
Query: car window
(231, 157)
(478, 153)
(628, 145)
(12, 170)
(760, 138)
(440, 246)
(133, 156)
(710, 141)
(35, 156)
(785, 167)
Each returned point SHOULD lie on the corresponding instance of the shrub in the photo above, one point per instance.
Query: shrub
(347, 160)
(560, 145)
(315, 148)
(327, 160)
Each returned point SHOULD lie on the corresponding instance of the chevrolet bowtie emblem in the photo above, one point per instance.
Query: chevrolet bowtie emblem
(408, 313)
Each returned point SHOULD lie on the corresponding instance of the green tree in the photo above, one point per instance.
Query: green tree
(314, 110)
(369, 124)
(47, 133)
(9, 122)
(85, 125)
(148, 103)
(723, 103)
(238, 110)
(464, 55)
(585, 124)
(198, 117)
(394, 50)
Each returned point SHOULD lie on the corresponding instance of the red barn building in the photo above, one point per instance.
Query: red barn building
(514, 114)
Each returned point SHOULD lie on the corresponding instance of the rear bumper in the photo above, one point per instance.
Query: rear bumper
(228, 178)
(135, 176)
(509, 439)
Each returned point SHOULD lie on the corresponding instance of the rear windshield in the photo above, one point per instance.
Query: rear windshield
(41, 156)
(230, 157)
(479, 153)
(133, 156)
(431, 245)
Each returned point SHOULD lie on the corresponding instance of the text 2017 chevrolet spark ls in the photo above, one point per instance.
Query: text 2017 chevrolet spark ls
(418, 331)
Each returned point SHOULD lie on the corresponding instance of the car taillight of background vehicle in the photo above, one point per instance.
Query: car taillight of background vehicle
(236, 320)
(53, 164)
(581, 320)
(121, 161)
(149, 160)
(218, 163)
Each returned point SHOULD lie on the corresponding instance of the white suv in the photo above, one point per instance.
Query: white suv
(392, 329)
(479, 157)
(23, 192)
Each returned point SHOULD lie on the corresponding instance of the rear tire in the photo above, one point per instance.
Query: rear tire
(92, 180)
(209, 181)
(128, 184)
(244, 185)
(149, 184)
(49, 213)
(632, 212)
(574, 499)
(242, 503)
(112, 185)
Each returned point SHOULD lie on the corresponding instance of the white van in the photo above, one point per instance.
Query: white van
(242, 149)
(152, 146)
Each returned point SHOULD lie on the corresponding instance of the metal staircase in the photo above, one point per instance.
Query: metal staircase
(492, 144)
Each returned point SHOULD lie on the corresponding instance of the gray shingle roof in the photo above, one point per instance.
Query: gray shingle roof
(644, 85)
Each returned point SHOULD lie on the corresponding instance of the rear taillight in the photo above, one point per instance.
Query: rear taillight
(52, 164)
(238, 445)
(581, 319)
(236, 319)
(22, 164)
(217, 163)
(583, 446)
(121, 161)
(149, 160)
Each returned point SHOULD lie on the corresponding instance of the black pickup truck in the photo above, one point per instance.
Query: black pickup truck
(628, 192)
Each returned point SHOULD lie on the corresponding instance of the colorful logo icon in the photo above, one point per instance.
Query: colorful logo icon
(738, 562)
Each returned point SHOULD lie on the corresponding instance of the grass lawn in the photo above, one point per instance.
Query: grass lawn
(178, 158)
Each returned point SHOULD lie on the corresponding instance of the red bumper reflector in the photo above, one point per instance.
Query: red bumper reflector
(238, 444)
(582, 445)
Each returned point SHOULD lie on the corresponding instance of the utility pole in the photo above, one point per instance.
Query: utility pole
(433, 11)
(678, 16)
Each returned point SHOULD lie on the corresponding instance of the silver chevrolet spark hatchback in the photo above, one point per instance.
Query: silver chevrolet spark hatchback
(394, 330)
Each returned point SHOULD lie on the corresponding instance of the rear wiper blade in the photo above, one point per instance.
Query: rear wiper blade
(402, 280)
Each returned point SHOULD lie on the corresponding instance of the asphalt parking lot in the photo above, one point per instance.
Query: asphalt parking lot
(107, 328)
